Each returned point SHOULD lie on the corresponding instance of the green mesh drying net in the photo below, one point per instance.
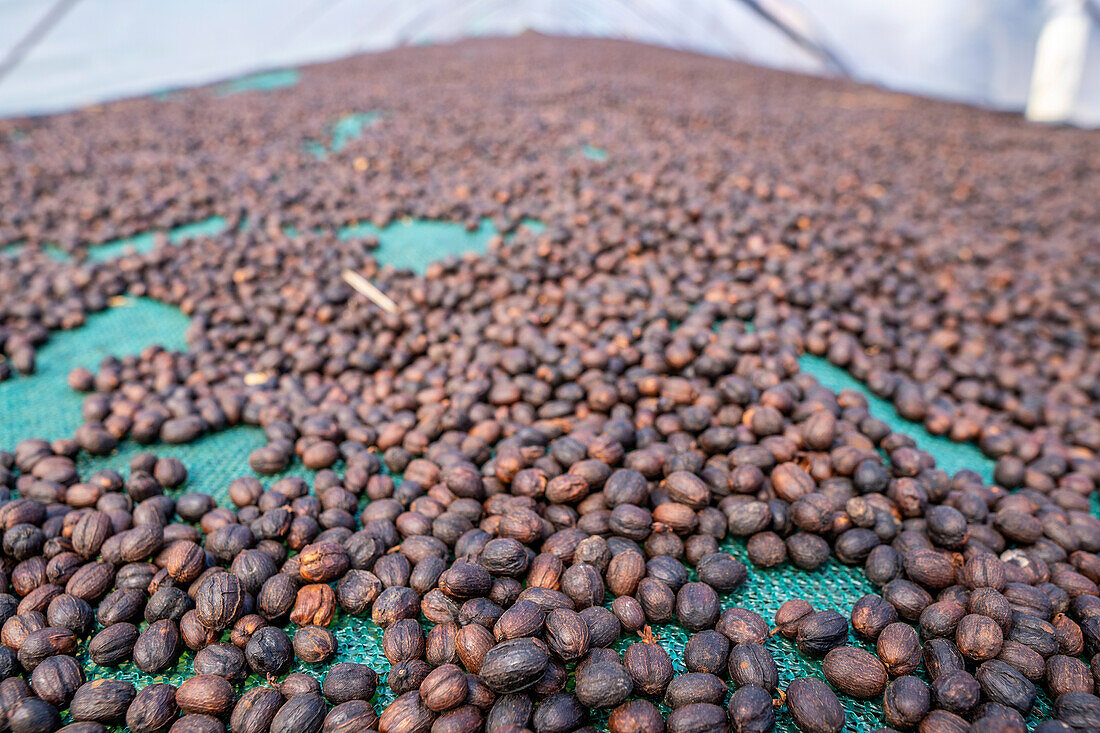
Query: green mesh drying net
(265, 81)
(342, 132)
(42, 405)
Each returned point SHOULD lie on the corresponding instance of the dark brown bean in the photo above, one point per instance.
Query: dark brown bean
(854, 672)
(814, 707)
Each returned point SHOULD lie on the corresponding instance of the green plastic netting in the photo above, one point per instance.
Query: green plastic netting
(343, 131)
(42, 405)
(264, 81)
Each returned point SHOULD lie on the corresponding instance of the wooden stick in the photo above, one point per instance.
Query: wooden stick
(364, 287)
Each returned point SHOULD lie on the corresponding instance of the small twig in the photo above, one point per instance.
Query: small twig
(364, 287)
(253, 379)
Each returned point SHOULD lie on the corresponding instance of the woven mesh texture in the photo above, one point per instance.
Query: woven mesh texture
(343, 131)
(143, 242)
(42, 405)
(413, 243)
(593, 153)
(265, 81)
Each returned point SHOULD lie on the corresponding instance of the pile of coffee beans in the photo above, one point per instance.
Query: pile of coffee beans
(539, 460)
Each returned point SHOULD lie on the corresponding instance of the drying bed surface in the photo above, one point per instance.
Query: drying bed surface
(572, 252)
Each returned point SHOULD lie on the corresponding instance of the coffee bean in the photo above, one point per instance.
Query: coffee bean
(1034, 633)
(197, 724)
(90, 532)
(1023, 659)
(697, 606)
(121, 606)
(153, 710)
(899, 648)
(269, 651)
(304, 713)
(697, 716)
(141, 542)
(957, 692)
(941, 721)
(751, 710)
(989, 602)
(1004, 685)
(102, 701)
(509, 710)
(206, 694)
(223, 660)
(157, 647)
(603, 685)
(219, 601)
(929, 568)
(1080, 710)
(1066, 674)
(299, 683)
(1071, 640)
(742, 626)
(322, 562)
(707, 651)
(752, 664)
(719, 570)
(567, 634)
(807, 551)
(444, 688)
(814, 707)
(821, 631)
(978, 637)
(255, 710)
(629, 612)
(636, 715)
(243, 630)
(314, 644)
(514, 665)
(356, 591)
(854, 672)
(790, 616)
(905, 702)
(114, 645)
(558, 713)
(870, 615)
(44, 643)
(168, 603)
(907, 597)
(472, 643)
(56, 679)
(277, 597)
(694, 687)
(406, 714)
(350, 717)
(603, 626)
(393, 604)
(650, 667)
(941, 619)
(34, 715)
(941, 657)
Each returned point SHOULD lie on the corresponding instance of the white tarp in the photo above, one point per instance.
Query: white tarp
(977, 51)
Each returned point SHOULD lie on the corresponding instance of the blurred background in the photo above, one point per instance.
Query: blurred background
(1038, 56)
